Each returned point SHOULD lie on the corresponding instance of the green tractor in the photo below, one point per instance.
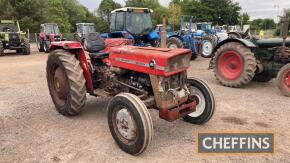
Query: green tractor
(238, 61)
(12, 38)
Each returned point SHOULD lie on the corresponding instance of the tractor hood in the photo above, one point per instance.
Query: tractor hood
(154, 61)
(270, 43)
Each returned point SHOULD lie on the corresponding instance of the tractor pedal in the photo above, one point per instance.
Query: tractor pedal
(101, 92)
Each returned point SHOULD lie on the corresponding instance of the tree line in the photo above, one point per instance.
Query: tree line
(66, 13)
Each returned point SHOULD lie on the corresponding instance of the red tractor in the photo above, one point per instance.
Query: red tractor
(138, 79)
(49, 32)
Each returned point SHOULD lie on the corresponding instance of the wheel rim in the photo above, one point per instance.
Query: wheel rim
(286, 80)
(230, 65)
(172, 46)
(201, 102)
(125, 125)
(59, 85)
(207, 48)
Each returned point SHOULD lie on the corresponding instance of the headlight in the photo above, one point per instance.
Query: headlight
(178, 62)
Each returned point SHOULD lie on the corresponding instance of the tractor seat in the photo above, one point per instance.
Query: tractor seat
(100, 55)
(94, 43)
(270, 43)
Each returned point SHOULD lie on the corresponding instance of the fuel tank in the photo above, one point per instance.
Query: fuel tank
(149, 60)
(272, 42)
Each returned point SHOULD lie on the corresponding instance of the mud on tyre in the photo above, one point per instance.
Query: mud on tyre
(66, 82)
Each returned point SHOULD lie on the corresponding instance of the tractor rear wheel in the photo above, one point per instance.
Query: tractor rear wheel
(26, 49)
(205, 107)
(234, 65)
(39, 44)
(174, 43)
(130, 123)
(66, 82)
(1, 49)
(283, 80)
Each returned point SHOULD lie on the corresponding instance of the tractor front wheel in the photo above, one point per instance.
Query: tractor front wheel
(206, 48)
(283, 80)
(234, 65)
(130, 123)
(1, 49)
(204, 97)
(26, 49)
(66, 82)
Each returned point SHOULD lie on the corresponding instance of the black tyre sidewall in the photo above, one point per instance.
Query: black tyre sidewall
(209, 101)
(176, 41)
(139, 142)
(54, 59)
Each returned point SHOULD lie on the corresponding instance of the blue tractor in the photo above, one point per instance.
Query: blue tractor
(189, 37)
(133, 23)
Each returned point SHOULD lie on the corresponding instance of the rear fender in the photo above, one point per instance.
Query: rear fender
(246, 43)
(77, 49)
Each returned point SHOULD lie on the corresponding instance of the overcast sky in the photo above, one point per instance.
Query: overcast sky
(255, 8)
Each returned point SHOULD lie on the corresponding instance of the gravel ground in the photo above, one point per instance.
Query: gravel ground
(32, 131)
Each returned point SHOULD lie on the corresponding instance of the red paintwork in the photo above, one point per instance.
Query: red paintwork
(176, 113)
(230, 65)
(66, 45)
(85, 66)
(42, 36)
(143, 56)
(286, 80)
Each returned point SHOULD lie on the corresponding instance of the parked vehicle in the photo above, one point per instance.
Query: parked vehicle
(83, 29)
(189, 38)
(133, 23)
(49, 32)
(138, 79)
(238, 61)
(169, 30)
(12, 38)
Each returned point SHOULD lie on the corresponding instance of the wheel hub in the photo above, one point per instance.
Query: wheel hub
(207, 48)
(59, 83)
(200, 99)
(172, 46)
(126, 124)
(230, 65)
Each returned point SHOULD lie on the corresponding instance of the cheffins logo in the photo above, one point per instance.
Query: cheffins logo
(231, 142)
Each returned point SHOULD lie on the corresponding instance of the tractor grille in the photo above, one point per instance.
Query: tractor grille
(14, 39)
(57, 38)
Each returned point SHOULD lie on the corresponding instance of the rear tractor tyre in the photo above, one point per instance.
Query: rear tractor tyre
(26, 49)
(130, 123)
(283, 80)
(66, 82)
(234, 65)
(205, 107)
(1, 49)
(174, 43)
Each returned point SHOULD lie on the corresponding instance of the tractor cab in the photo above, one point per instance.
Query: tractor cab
(205, 26)
(133, 23)
(9, 26)
(51, 31)
(84, 29)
